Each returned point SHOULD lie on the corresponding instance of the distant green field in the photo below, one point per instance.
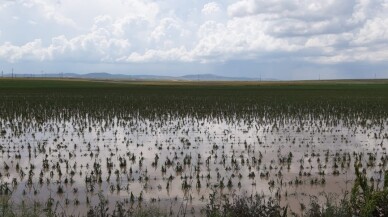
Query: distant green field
(30, 97)
(81, 83)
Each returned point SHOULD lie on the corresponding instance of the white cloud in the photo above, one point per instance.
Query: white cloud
(166, 26)
(99, 44)
(313, 9)
(347, 56)
(173, 54)
(243, 7)
(211, 8)
(30, 51)
(49, 11)
(5, 4)
(374, 30)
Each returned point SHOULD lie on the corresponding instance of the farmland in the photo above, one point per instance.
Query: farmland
(66, 144)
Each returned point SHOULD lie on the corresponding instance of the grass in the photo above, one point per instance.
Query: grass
(8, 209)
(364, 200)
(28, 96)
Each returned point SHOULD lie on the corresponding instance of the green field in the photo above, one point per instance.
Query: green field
(365, 98)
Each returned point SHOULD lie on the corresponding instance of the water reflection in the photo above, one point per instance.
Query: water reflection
(175, 161)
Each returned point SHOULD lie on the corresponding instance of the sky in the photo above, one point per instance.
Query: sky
(274, 39)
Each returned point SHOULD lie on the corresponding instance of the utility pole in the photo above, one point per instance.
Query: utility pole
(2, 74)
(12, 73)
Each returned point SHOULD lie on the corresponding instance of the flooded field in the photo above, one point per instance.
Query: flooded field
(69, 144)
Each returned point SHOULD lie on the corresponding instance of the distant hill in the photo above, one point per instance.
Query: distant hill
(104, 75)
(212, 77)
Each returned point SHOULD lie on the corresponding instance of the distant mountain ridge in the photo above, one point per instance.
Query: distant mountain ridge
(105, 75)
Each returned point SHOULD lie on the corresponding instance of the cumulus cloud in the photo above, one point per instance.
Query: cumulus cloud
(30, 51)
(374, 31)
(99, 44)
(211, 8)
(167, 27)
(49, 11)
(291, 8)
(160, 55)
(238, 38)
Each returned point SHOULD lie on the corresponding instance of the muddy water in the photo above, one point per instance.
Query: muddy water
(163, 161)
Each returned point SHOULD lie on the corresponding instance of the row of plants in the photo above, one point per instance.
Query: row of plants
(364, 200)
